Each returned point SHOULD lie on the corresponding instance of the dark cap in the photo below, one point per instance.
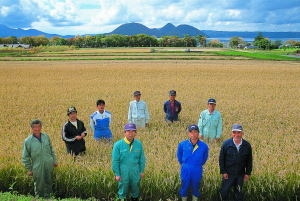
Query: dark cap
(211, 100)
(136, 93)
(70, 110)
(193, 127)
(172, 93)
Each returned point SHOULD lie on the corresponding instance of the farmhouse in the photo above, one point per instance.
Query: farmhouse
(15, 45)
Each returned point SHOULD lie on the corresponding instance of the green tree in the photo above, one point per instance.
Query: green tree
(41, 40)
(11, 40)
(27, 40)
(235, 41)
(215, 43)
(258, 38)
(202, 40)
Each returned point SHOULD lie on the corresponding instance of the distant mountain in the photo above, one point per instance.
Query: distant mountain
(246, 34)
(6, 32)
(168, 30)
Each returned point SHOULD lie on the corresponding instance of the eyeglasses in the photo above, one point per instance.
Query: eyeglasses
(237, 132)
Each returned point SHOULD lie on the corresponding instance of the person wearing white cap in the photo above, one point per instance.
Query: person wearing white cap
(138, 111)
(235, 161)
(210, 122)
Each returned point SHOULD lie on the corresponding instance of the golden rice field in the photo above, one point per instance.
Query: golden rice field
(263, 96)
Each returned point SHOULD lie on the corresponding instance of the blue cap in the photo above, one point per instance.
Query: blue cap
(136, 93)
(130, 127)
(237, 127)
(172, 93)
(211, 100)
(193, 127)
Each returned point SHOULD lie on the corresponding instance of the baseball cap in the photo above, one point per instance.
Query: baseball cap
(71, 109)
(237, 127)
(193, 127)
(136, 93)
(211, 100)
(130, 127)
(172, 93)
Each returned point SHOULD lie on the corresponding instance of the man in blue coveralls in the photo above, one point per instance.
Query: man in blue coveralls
(192, 155)
(128, 163)
(100, 122)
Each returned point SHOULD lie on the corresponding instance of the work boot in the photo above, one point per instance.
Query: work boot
(194, 198)
(184, 198)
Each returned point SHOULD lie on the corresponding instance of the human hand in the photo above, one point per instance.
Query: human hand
(30, 173)
(55, 164)
(141, 175)
(217, 139)
(225, 176)
(78, 137)
(246, 177)
(82, 135)
(147, 124)
(118, 178)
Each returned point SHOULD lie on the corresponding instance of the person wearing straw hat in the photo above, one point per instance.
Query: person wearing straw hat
(192, 154)
(128, 163)
(235, 161)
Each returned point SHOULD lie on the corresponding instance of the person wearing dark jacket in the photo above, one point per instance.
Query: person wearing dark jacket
(235, 163)
(73, 133)
(172, 107)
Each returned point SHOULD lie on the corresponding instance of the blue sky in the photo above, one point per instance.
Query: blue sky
(72, 17)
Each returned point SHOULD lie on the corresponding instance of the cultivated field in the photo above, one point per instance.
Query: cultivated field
(263, 96)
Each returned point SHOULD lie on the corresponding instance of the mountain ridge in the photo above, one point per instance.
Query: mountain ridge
(168, 30)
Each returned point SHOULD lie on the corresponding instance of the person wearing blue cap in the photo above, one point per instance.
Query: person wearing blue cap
(210, 122)
(172, 107)
(128, 163)
(235, 161)
(192, 154)
(138, 111)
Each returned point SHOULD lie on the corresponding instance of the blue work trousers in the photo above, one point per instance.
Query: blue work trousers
(190, 183)
(237, 182)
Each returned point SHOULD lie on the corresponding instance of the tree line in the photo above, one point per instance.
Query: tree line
(143, 40)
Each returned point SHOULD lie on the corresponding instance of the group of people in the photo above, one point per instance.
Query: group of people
(128, 158)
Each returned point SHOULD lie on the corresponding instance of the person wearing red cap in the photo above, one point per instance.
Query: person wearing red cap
(128, 163)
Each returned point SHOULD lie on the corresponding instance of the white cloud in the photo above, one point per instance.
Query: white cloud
(94, 16)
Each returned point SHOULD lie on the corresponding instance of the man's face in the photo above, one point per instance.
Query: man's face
(172, 98)
(194, 134)
(211, 106)
(130, 135)
(36, 129)
(73, 116)
(237, 135)
(101, 107)
(137, 98)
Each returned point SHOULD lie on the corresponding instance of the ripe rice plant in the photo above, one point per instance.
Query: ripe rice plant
(263, 96)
